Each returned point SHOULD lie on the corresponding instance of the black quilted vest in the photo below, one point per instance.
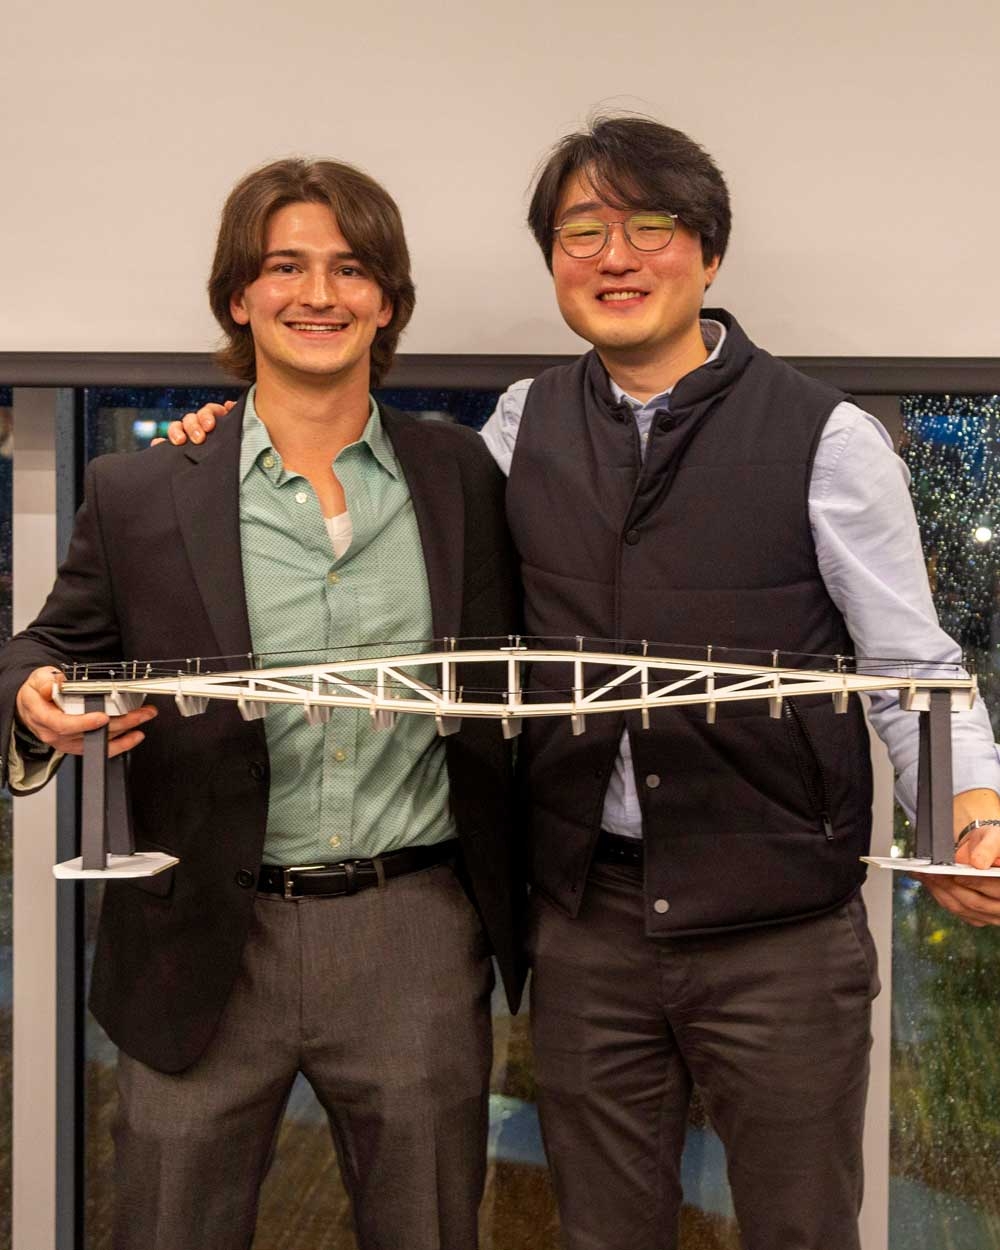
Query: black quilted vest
(751, 820)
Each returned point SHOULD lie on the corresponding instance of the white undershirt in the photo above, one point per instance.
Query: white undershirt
(341, 532)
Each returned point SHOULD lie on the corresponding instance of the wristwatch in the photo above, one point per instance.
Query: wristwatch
(973, 824)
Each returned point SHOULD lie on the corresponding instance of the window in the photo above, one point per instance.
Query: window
(946, 1009)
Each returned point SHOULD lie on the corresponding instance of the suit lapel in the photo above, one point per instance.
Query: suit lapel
(435, 483)
(207, 499)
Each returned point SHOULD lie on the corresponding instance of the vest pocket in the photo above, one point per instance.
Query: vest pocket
(809, 765)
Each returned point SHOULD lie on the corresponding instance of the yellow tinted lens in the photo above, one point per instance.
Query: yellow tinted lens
(582, 238)
(650, 231)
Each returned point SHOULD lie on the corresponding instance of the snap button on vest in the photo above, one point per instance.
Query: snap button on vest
(661, 905)
(632, 537)
(244, 878)
(652, 781)
(256, 771)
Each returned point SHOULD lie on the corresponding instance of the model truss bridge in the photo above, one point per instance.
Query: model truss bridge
(584, 677)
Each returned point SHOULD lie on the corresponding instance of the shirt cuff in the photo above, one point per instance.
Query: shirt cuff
(28, 767)
(970, 770)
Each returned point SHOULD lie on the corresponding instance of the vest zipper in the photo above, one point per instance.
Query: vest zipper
(818, 793)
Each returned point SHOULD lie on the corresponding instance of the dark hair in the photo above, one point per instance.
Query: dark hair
(368, 219)
(635, 162)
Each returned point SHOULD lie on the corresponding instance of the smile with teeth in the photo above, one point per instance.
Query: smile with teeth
(620, 295)
(315, 327)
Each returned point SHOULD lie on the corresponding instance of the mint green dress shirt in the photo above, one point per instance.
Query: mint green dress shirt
(342, 789)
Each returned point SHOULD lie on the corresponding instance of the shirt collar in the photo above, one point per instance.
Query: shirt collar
(713, 335)
(256, 449)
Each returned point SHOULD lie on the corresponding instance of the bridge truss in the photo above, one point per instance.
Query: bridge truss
(447, 683)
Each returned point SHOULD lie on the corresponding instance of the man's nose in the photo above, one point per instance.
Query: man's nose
(319, 289)
(618, 254)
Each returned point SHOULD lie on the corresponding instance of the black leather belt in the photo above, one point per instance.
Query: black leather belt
(612, 848)
(348, 876)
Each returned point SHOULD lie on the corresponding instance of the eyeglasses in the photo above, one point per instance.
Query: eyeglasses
(646, 232)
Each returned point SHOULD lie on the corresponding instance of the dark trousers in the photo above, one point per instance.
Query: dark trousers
(772, 1024)
(382, 1001)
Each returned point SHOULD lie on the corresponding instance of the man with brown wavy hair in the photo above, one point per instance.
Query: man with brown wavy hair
(364, 212)
(340, 887)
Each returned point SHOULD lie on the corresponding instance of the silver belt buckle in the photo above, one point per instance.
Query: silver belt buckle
(288, 881)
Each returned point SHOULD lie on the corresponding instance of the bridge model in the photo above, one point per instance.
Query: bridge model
(430, 683)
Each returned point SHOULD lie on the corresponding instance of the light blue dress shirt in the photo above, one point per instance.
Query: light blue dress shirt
(870, 557)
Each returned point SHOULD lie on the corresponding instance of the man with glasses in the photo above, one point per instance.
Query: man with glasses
(696, 914)
(697, 919)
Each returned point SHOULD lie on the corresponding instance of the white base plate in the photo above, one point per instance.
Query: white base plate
(141, 864)
(925, 866)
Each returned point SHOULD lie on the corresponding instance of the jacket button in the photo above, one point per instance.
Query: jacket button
(245, 879)
(632, 537)
(661, 905)
(652, 781)
(257, 771)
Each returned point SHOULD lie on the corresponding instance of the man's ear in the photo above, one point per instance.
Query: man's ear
(711, 269)
(238, 309)
(385, 312)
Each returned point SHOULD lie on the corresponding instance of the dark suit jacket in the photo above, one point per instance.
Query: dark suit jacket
(154, 571)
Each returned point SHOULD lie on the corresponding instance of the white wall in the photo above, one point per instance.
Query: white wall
(859, 141)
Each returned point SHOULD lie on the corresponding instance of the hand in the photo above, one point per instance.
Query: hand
(974, 900)
(196, 425)
(37, 711)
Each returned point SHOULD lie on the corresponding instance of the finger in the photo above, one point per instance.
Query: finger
(72, 744)
(54, 727)
(208, 413)
(118, 725)
(43, 681)
(966, 887)
(973, 883)
(125, 743)
(970, 905)
(38, 694)
(983, 849)
(154, 441)
(47, 721)
(961, 913)
(198, 424)
(192, 427)
(176, 434)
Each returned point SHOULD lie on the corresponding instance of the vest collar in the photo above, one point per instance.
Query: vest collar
(709, 381)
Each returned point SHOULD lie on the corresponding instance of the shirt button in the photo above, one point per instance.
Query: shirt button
(256, 771)
(335, 840)
(301, 496)
(340, 756)
(268, 462)
(652, 781)
(332, 578)
(632, 537)
(244, 878)
(661, 905)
